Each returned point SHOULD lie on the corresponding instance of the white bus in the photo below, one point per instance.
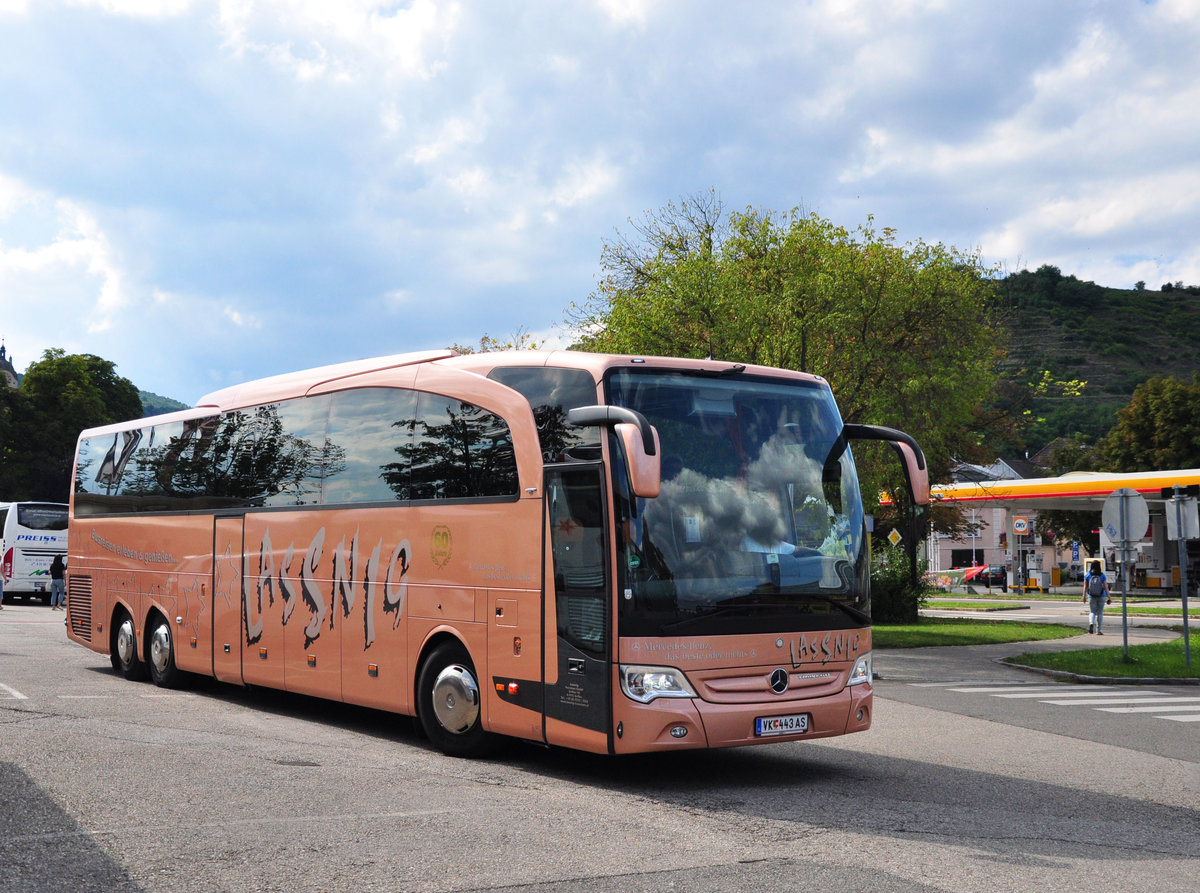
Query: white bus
(31, 534)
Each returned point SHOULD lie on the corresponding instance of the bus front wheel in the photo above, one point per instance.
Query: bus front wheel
(124, 648)
(162, 655)
(449, 703)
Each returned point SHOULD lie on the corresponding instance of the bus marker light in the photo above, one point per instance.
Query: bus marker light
(517, 646)
(679, 731)
(373, 670)
(262, 653)
(194, 641)
(312, 660)
(513, 688)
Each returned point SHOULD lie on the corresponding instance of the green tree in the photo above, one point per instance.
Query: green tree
(60, 395)
(901, 331)
(1158, 429)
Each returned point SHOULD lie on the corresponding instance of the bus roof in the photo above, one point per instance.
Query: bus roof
(305, 381)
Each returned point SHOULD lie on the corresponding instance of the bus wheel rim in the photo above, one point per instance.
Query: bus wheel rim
(456, 699)
(125, 650)
(160, 647)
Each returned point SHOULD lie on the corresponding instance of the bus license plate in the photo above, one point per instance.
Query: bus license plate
(781, 725)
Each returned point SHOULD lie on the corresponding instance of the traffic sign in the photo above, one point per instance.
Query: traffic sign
(1125, 516)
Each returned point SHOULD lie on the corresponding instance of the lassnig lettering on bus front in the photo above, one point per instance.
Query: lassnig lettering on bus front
(819, 648)
(346, 568)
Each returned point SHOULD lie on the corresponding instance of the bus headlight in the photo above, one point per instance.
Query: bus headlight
(644, 684)
(862, 670)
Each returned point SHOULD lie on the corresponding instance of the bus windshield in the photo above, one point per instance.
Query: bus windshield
(42, 516)
(759, 524)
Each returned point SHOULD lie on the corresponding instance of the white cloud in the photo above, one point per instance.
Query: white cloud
(274, 175)
(626, 12)
(140, 9)
(347, 39)
(240, 319)
(581, 181)
(72, 251)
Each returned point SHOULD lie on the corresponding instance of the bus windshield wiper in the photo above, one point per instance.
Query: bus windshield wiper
(860, 616)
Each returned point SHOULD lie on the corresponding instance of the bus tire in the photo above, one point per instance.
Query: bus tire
(124, 648)
(449, 703)
(160, 655)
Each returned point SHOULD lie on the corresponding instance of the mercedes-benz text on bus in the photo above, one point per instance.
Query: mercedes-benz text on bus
(615, 554)
(31, 534)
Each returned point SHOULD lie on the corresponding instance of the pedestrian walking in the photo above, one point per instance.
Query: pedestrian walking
(1095, 593)
(57, 588)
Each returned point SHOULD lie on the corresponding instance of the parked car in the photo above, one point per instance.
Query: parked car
(993, 576)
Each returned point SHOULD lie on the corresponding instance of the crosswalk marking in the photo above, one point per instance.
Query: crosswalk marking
(12, 692)
(1158, 699)
(1106, 699)
(1082, 695)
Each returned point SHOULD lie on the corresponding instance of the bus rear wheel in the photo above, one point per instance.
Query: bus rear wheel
(162, 655)
(449, 703)
(124, 648)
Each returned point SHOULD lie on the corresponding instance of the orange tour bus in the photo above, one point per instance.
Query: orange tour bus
(615, 554)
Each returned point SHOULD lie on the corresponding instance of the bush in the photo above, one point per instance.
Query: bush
(894, 598)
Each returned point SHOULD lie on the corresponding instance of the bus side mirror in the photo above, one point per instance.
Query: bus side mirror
(645, 465)
(909, 451)
(918, 473)
(638, 439)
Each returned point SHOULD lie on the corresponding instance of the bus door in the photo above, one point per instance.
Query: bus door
(578, 688)
(228, 572)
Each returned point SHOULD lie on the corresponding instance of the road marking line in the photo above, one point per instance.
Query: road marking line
(1081, 695)
(1160, 700)
(1195, 717)
(1148, 709)
(1026, 687)
(13, 693)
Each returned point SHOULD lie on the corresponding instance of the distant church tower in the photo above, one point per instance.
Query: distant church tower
(7, 373)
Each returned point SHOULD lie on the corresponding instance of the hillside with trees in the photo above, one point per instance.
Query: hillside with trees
(1111, 340)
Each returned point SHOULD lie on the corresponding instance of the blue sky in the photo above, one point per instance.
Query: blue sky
(207, 192)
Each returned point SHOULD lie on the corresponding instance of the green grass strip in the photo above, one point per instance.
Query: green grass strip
(962, 631)
(1160, 660)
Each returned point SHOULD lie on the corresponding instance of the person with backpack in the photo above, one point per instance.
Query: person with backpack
(1095, 593)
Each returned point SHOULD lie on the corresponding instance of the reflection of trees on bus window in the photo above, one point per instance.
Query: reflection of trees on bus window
(371, 422)
(327, 449)
(551, 391)
(452, 450)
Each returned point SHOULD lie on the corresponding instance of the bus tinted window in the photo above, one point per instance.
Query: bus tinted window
(459, 451)
(371, 427)
(41, 517)
(291, 452)
(356, 446)
(551, 391)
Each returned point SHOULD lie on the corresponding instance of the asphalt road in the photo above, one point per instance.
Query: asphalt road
(112, 785)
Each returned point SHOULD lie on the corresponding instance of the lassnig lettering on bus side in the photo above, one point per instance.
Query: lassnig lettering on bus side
(346, 566)
(302, 586)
